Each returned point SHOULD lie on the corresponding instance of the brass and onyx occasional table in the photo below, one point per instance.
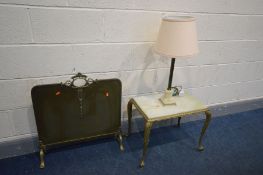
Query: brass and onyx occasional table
(152, 110)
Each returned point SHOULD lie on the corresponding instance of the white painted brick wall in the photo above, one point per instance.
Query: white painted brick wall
(46, 41)
(211, 6)
(15, 26)
(66, 26)
(229, 27)
(130, 26)
(24, 121)
(6, 128)
(37, 2)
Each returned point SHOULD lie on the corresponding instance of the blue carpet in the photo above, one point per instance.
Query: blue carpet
(233, 145)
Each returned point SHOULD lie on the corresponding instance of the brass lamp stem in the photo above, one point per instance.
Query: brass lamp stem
(171, 74)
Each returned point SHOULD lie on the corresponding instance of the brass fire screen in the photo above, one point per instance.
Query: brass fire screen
(67, 113)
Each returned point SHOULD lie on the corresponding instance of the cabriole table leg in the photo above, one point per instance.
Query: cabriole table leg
(179, 122)
(120, 140)
(207, 121)
(129, 109)
(147, 131)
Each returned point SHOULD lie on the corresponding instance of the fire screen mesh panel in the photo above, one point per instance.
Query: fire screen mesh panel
(66, 114)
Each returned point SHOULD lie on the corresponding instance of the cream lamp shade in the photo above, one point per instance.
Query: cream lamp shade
(177, 37)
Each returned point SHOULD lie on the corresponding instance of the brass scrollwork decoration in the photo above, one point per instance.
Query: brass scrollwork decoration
(79, 81)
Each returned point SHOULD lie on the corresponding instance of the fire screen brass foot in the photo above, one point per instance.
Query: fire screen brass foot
(200, 148)
(42, 150)
(207, 121)
(120, 141)
(147, 131)
(42, 161)
(141, 164)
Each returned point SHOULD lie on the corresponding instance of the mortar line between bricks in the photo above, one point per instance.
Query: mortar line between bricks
(126, 9)
(192, 88)
(208, 64)
(233, 40)
(71, 44)
(56, 76)
(237, 100)
(132, 70)
(22, 136)
(109, 43)
(15, 108)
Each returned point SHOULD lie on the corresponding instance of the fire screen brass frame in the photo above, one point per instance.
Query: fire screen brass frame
(147, 106)
(43, 148)
(79, 110)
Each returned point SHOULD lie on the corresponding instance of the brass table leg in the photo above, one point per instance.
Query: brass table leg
(207, 121)
(41, 155)
(129, 109)
(147, 131)
(120, 140)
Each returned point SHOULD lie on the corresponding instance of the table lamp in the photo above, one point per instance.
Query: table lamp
(177, 39)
